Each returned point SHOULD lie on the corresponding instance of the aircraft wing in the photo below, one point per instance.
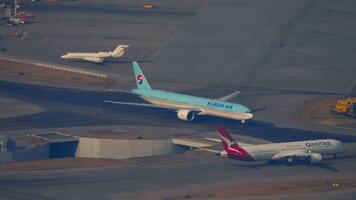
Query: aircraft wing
(151, 105)
(289, 154)
(230, 96)
(135, 104)
(211, 150)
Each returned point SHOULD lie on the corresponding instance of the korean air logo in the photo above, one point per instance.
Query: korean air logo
(139, 79)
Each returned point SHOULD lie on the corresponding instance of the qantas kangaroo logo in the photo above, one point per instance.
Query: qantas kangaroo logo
(231, 147)
(227, 142)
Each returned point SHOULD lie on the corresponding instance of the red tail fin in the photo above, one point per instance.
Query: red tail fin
(226, 139)
(231, 147)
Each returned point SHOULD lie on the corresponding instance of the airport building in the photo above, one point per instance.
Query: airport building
(59, 145)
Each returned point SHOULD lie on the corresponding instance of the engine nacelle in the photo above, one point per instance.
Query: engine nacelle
(223, 154)
(186, 115)
(315, 158)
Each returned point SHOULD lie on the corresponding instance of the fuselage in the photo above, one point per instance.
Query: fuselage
(268, 151)
(202, 106)
(87, 55)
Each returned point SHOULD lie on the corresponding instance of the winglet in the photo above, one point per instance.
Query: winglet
(141, 81)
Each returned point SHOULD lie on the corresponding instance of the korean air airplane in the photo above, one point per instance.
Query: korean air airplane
(310, 151)
(186, 106)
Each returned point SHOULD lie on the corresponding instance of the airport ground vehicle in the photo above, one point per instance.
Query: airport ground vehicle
(346, 106)
(309, 151)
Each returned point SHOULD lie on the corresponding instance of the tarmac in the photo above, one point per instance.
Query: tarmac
(165, 180)
(74, 108)
(279, 54)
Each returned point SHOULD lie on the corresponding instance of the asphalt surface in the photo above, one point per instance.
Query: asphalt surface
(151, 180)
(84, 26)
(70, 107)
(289, 53)
(279, 53)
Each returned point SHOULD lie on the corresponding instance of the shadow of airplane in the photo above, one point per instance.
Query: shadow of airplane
(326, 164)
(120, 61)
(323, 165)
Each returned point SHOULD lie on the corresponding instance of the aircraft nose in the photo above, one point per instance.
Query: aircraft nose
(342, 146)
(248, 115)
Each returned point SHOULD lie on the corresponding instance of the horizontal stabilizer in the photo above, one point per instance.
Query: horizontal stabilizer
(211, 150)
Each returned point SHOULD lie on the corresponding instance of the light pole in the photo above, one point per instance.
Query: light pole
(15, 9)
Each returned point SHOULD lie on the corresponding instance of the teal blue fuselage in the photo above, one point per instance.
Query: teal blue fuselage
(191, 101)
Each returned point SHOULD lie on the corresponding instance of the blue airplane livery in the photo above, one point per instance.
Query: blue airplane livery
(186, 106)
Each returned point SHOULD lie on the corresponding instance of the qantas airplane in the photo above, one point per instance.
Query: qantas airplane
(309, 151)
(186, 106)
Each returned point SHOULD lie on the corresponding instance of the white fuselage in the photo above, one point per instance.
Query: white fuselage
(87, 55)
(269, 151)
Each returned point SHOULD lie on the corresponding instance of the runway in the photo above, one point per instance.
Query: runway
(279, 53)
(74, 108)
(162, 180)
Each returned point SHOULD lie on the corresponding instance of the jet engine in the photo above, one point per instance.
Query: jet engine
(315, 158)
(223, 154)
(186, 115)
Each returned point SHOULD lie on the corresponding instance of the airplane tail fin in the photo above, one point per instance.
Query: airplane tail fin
(141, 81)
(226, 140)
(119, 51)
(232, 149)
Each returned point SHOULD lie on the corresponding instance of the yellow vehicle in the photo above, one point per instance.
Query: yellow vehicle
(346, 106)
(147, 5)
